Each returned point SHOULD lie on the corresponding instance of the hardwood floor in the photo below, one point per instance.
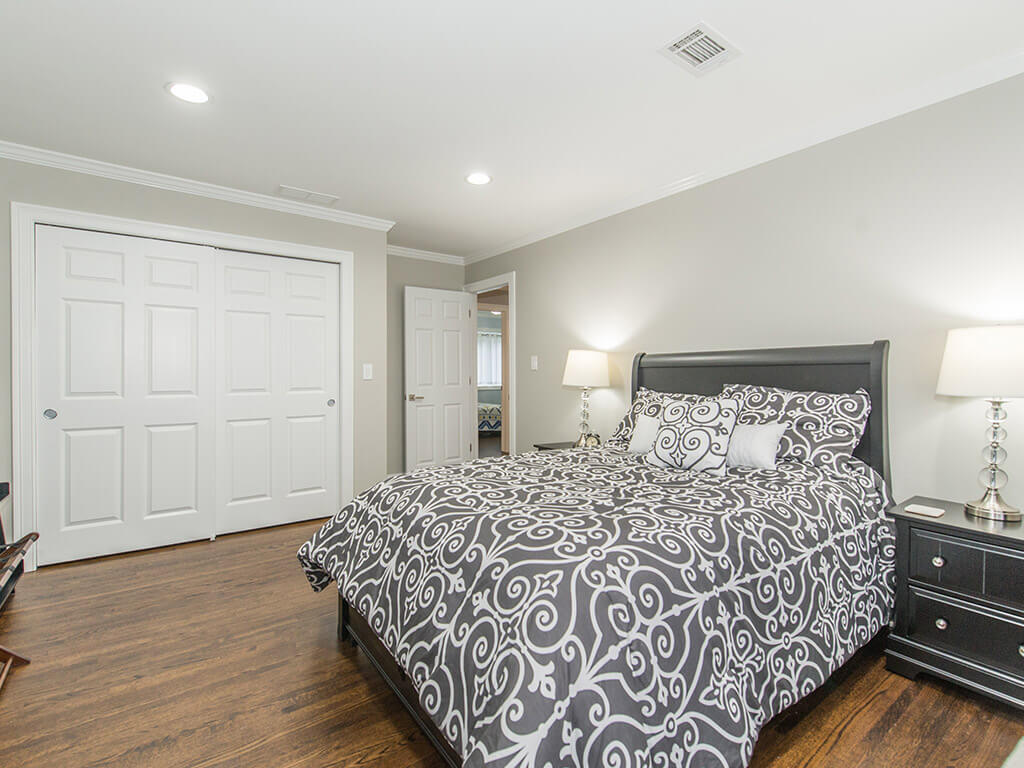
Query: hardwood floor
(218, 654)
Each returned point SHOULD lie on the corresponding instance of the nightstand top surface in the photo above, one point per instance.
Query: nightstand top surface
(957, 520)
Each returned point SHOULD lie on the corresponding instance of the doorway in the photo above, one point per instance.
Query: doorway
(495, 354)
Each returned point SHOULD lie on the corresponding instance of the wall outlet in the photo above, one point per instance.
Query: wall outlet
(534, 363)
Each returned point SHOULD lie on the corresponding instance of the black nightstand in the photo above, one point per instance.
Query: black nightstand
(959, 600)
(554, 446)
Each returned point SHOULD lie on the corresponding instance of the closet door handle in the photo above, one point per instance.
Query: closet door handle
(415, 397)
(50, 414)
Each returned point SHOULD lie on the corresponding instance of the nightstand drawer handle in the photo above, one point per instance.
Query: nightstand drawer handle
(938, 561)
(1020, 649)
(941, 623)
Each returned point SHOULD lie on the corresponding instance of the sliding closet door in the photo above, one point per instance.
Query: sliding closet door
(277, 390)
(124, 396)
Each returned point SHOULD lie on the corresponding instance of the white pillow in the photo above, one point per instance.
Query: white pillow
(644, 431)
(755, 445)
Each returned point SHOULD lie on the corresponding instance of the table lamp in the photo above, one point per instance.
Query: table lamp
(987, 362)
(585, 368)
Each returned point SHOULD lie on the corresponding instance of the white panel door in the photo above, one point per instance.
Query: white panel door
(278, 379)
(440, 373)
(124, 399)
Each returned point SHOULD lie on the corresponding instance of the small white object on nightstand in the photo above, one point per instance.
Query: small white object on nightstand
(922, 509)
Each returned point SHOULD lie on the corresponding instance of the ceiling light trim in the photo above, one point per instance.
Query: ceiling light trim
(416, 253)
(928, 94)
(52, 159)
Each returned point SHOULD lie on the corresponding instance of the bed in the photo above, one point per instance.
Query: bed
(582, 607)
(488, 416)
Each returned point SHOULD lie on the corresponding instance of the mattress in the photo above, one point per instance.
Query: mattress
(583, 608)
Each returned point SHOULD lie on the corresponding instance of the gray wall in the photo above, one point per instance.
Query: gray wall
(900, 231)
(27, 183)
(422, 274)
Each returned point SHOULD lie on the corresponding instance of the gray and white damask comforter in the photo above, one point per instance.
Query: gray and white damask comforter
(584, 608)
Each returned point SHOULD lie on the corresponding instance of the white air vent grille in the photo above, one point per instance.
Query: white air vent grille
(701, 49)
(306, 195)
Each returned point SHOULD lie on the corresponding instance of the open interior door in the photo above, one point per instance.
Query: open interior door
(440, 377)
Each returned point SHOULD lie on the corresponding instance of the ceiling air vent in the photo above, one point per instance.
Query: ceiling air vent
(306, 195)
(700, 50)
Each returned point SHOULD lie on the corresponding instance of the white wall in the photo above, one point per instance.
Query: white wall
(28, 183)
(899, 231)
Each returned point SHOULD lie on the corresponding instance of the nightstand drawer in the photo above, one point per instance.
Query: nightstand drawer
(974, 632)
(1004, 575)
(948, 562)
(967, 566)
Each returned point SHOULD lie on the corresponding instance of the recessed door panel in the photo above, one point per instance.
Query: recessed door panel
(250, 455)
(106, 266)
(172, 273)
(306, 438)
(306, 353)
(173, 469)
(93, 476)
(453, 343)
(306, 287)
(248, 351)
(172, 347)
(423, 362)
(94, 348)
(424, 415)
(453, 431)
(243, 281)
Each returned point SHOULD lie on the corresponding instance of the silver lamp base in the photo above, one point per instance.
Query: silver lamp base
(992, 507)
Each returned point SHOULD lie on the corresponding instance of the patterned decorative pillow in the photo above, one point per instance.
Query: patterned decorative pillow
(823, 428)
(646, 403)
(695, 434)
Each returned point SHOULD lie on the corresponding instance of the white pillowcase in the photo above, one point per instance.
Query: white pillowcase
(755, 445)
(645, 429)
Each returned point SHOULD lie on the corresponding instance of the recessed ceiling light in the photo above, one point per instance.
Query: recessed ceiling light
(190, 93)
(478, 177)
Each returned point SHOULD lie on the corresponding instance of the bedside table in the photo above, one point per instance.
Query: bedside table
(554, 446)
(959, 600)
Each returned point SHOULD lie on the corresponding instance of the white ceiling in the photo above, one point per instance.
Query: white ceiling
(389, 104)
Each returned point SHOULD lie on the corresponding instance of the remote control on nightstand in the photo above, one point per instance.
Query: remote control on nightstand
(923, 509)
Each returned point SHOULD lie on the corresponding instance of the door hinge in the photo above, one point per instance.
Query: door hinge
(469, 312)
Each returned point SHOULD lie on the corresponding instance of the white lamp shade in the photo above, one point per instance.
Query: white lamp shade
(585, 368)
(983, 362)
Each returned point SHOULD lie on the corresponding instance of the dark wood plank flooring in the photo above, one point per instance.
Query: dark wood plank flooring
(217, 654)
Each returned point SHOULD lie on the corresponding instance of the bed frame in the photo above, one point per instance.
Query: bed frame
(825, 369)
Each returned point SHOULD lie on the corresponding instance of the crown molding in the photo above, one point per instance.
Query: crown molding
(910, 100)
(416, 253)
(37, 156)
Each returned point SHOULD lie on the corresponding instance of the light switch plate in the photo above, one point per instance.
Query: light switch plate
(367, 371)
(534, 363)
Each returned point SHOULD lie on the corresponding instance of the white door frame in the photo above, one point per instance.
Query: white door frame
(24, 218)
(490, 284)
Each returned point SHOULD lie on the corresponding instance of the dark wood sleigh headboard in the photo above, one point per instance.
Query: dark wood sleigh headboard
(825, 369)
